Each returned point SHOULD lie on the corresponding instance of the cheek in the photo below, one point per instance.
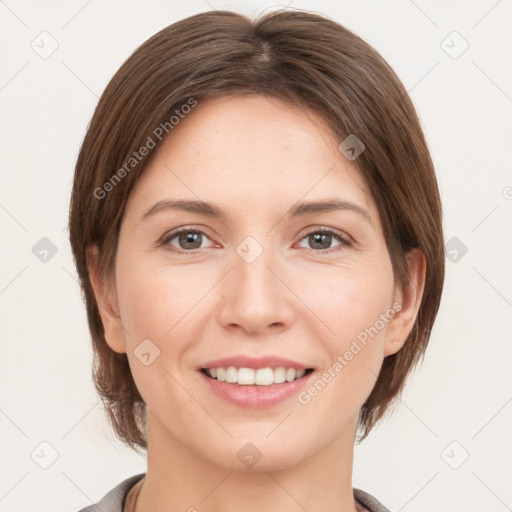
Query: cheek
(158, 302)
(349, 301)
(351, 305)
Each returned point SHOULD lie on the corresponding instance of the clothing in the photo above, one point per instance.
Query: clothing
(114, 500)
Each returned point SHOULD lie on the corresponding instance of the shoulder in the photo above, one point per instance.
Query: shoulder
(368, 501)
(114, 500)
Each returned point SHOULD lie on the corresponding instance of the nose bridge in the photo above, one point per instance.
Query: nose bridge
(252, 267)
(255, 298)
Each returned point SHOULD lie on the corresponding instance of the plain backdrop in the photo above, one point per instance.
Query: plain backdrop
(446, 445)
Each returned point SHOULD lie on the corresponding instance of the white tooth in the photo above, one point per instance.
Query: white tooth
(290, 374)
(264, 377)
(231, 375)
(279, 375)
(250, 377)
(246, 376)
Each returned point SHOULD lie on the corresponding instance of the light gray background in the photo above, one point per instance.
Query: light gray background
(463, 391)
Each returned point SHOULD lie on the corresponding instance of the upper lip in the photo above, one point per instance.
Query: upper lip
(243, 361)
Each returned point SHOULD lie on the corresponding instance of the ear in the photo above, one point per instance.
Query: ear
(409, 299)
(106, 299)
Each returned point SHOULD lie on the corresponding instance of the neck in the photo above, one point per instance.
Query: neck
(179, 479)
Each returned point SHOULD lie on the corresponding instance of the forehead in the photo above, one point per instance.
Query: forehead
(251, 150)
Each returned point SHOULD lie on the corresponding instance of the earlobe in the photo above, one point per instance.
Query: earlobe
(107, 303)
(409, 299)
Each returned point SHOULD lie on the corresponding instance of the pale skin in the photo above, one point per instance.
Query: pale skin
(254, 158)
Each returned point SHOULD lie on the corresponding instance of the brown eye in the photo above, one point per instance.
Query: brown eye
(186, 240)
(321, 240)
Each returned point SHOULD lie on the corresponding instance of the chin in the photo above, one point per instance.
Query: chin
(257, 454)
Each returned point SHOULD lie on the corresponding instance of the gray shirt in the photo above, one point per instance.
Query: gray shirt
(114, 500)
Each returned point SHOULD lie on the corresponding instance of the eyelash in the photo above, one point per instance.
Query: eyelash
(339, 236)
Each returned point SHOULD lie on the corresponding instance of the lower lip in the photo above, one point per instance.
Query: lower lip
(256, 396)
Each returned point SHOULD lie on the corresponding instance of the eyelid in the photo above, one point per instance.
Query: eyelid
(333, 231)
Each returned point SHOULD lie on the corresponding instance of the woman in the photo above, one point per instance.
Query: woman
(257, 227)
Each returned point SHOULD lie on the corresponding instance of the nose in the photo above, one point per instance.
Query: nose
(256, 296)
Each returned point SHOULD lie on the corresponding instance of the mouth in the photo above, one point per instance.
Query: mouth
(256, 377)
(255, 381)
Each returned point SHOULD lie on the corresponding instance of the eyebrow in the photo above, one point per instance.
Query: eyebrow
(297, 210)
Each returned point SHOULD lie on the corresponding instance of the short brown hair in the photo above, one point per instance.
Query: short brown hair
(297, 56)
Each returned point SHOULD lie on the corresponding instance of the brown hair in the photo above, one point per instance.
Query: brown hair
(297, 56)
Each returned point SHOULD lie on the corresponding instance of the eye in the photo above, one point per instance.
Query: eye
(321, 240)
(187, 239)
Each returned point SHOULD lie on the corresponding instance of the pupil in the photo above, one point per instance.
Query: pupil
(190, 238)
(319, 237)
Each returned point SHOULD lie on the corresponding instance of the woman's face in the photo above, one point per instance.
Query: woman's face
(259, 281)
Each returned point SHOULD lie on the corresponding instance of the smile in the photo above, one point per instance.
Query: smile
(255, 377)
